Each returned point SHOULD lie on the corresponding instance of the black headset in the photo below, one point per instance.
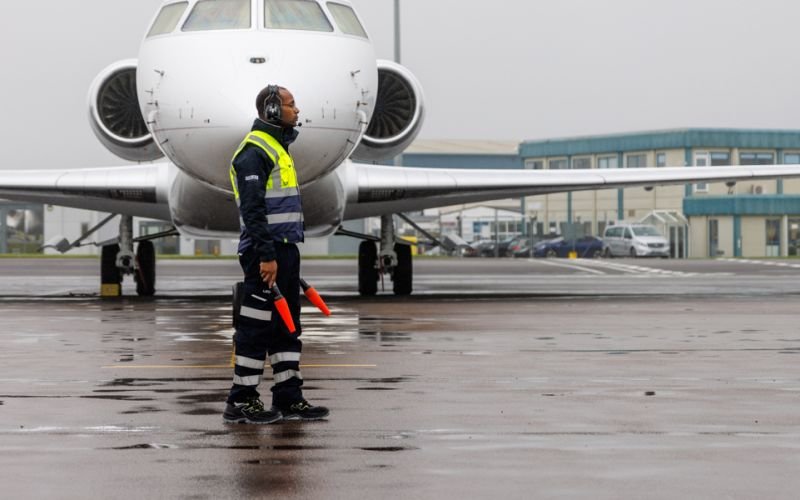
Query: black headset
(273, 104)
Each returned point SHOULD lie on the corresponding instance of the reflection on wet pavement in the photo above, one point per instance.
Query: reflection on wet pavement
(429, 398)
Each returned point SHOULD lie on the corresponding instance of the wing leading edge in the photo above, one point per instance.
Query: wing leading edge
(384, 190)
(141, 190)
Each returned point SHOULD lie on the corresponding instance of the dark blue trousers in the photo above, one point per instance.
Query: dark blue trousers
(261, 336)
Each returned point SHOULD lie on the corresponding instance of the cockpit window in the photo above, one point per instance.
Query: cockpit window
(346, 19)
(219, 15)
(168, 18)
(295, 15)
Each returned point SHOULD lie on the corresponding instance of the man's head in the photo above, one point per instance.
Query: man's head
(283, 110)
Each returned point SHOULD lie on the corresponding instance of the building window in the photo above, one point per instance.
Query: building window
(720, 159)
(557, 164)
(661, 160)
(794, 237)
(636, 161)
(773, 237)
(581, 163)
(534, 164)
(701, 159)
(756, 159)
(713, 238)
(608, 162)
(791, 158)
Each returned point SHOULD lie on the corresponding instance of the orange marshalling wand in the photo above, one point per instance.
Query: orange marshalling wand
(283, 308)
(314, 297)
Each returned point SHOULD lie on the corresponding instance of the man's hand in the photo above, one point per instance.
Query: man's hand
(269, 272)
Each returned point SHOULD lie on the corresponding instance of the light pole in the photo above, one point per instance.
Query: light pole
(397, 52)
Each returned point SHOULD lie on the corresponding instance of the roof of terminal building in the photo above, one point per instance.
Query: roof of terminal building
(476, 147)
(663, 139)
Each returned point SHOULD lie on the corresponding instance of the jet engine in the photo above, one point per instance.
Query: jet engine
(115, 116)
(398, 115)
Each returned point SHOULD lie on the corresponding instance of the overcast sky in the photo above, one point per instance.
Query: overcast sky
(500, 70)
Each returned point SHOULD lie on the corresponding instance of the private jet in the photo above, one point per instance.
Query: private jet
(181, 109)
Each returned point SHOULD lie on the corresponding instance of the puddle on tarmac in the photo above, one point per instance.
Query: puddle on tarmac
(206, 397)
(202, 411)
(141, 410)
(389, 380)
(117, 398)
(388, 448)
(381, 335)
(147, 446)
(284, 461)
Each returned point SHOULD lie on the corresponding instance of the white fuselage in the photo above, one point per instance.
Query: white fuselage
(197, 94)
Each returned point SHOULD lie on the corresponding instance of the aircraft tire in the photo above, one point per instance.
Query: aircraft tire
(404, 272)
(145, 274)
(109, 272)
(367, 273)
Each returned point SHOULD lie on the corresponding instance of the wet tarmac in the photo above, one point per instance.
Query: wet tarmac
(500, 379)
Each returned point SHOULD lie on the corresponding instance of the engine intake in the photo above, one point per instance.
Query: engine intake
(115, 116)
(398, 115)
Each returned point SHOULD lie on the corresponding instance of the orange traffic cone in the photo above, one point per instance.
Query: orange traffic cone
(314, 297)
(283, 308)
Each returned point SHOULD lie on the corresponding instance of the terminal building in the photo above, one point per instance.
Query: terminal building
(749, 219)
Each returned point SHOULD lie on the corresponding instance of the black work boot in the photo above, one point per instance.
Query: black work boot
(302, 410)
(250, 412)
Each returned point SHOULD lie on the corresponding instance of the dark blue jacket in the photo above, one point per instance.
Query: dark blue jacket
(252, 161)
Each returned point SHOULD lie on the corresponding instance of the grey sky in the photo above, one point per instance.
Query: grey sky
(501, 70)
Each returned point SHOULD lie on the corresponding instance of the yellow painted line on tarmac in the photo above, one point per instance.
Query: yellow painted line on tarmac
(216, 367)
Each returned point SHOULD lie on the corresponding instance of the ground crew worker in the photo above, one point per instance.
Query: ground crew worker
(271, 216)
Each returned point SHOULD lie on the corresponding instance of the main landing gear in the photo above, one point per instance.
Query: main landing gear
(118, 260)
(394, 259)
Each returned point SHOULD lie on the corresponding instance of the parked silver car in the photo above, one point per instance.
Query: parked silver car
(634, 240)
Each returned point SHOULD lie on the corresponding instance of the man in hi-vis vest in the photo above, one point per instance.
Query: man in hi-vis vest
(271, 215)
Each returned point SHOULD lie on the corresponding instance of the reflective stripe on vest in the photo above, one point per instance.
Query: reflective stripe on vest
(284, 207)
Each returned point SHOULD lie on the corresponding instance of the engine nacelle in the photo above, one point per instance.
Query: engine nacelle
(115, 116)
(398, 115)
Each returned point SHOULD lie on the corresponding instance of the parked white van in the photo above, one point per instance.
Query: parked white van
(634, 240)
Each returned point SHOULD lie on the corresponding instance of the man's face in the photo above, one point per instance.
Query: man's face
(289, 111)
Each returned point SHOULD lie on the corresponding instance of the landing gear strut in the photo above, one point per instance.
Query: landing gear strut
(394, 259)
(118, 260)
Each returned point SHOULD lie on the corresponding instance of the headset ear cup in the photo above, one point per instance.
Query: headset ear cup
(273, 104)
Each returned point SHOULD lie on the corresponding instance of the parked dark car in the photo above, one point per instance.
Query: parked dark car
(511, 245)
(483, 248)
(587, 247)
(519, 247)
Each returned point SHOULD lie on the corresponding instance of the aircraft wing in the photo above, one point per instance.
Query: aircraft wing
(141, 190)
(378, 190)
